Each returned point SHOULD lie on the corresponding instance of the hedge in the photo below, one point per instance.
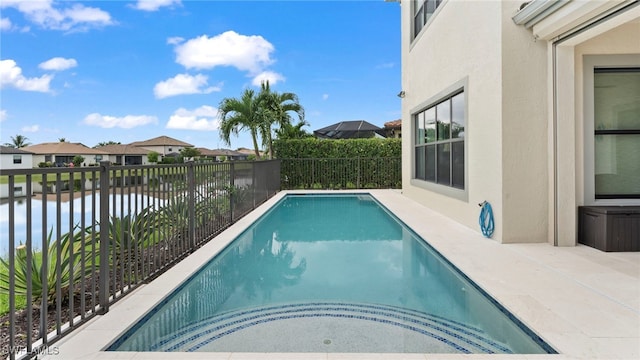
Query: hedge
(332, 149)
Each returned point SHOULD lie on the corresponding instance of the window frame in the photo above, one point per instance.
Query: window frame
(17, 159)
(460, 87)
(590, 64)
(419, 9)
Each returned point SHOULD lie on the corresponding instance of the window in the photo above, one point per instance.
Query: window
(616, 107)
(439, 142)
(17, 159)
(422, 12)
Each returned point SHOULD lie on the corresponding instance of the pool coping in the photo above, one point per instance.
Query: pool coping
(555, 302)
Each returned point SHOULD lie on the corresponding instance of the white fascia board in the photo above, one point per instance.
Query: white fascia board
(568, 17)
(536, 11)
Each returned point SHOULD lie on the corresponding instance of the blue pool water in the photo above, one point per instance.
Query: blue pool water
(323, 273)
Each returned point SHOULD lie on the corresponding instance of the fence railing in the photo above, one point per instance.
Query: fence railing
(342, 173)
(79, 239)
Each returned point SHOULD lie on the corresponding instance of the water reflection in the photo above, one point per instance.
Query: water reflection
(45, 215)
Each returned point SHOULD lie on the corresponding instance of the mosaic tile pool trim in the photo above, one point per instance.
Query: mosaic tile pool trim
(459, 337)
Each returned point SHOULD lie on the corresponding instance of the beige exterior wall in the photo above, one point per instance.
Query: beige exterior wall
(163, 149)
(613, 43)
(6, 161)
(477, 45)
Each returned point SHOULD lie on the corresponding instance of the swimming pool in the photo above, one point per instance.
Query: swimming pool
(329, 273)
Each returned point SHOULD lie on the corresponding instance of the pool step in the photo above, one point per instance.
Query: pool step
(329, 321)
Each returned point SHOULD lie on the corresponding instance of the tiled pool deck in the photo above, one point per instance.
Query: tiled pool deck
(583, 302)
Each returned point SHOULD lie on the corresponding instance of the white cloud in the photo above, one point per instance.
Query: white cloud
(325, 96)
(153, 5)
(270, 76)
(73, 17)
(126, 122)
(11, 76)
(5, 24)
(388, 65)
(246, 53)
(58, 64)
(184, 84)
(175, 40)
(31, 128)
(202, 118)
(3, 115)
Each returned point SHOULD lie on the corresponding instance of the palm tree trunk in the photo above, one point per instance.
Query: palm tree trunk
(254, 137)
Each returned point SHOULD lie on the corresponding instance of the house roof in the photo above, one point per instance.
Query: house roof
(395, 124)
(161, 141)
(63, 148)
(348, 130)
(11, 150)
(119, 149)
(226, 152)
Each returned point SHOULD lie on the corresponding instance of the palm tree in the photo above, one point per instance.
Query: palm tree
(105, 143)
(289, 131)
(276, 108)
(241, 114)
(18, 141)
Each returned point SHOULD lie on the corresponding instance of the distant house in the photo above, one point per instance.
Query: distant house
(61, 153)
(163, 145)
(393, 129)
(354, 129)
(126, 154)
(12, 158)
(226, 154)
(249, 152)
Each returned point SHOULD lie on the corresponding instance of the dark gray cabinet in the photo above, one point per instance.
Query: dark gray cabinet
(609, 228)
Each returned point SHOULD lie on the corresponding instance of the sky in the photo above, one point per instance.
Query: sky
(125, 71)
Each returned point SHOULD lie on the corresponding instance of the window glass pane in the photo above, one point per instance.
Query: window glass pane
(431, 8)
(420, 132)
(420, 165)
(617, 99)
(617, 165)
(430, 124)
(418, 20)
(444, 120)
(430, 163)
(457, 116)
(457, 166)
(17, 159)
(444, 164)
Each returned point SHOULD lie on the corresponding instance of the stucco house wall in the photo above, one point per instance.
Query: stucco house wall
(466, 44)
(527, 70)
(6, 160)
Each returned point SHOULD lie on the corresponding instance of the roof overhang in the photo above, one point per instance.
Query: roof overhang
(551, 19)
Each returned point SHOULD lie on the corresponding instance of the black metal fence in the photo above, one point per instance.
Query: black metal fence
(79, 239)
(342, 173)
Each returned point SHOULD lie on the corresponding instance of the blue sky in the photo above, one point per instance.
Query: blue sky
(131, 70)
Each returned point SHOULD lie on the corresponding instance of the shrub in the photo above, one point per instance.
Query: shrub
(69, 241)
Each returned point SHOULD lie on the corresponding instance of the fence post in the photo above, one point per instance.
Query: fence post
(192, 203)
(104, 238)
(232, 188)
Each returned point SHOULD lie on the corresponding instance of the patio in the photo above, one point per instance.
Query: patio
(583, 302)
